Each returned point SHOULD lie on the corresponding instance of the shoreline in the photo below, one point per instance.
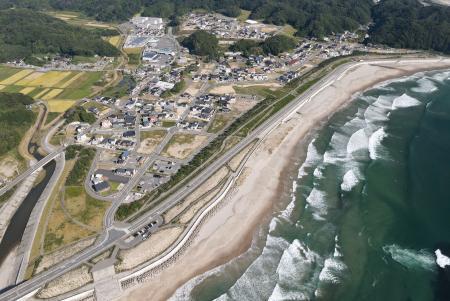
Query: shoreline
(245, 208)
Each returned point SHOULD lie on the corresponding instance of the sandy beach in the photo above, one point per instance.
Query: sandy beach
(229, 232)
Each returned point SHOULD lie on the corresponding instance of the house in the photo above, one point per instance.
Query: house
(123, 156)
(106, 123)
(101, 186)
(124, 171)
(129, 134)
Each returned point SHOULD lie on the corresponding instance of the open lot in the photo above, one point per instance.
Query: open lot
(150, 140)
(182, 146)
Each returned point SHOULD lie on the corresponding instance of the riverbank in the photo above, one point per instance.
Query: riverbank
(229, 233)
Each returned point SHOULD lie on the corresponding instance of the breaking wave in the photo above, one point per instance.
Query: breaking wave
(411, 259)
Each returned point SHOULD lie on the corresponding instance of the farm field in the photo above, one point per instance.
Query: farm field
(61, 89)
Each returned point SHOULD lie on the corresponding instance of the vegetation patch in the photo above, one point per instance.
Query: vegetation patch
(15, 120)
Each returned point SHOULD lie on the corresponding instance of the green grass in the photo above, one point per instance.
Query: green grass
(84, 59)
(36, 91)
(51, 116)
(12, 89)
(255, 90)
(4, 197)
(94, 104)
(244, 15)
(219, 122)
(134, 59)
(91, 206)
(122, 88)
(168, 123)
(158, 134)
(81, 87)
(6, 72)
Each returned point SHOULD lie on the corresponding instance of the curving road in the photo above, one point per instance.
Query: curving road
(112, 234)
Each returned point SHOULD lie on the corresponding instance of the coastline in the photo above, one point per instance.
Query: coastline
(265, 178)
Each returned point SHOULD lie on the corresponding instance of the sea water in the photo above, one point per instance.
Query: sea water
(368, 217)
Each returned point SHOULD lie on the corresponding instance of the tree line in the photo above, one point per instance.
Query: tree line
(25, 33)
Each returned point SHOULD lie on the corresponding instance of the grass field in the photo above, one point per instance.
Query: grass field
(63, 227)
(244, 15)
(219, 122)
(76, 18)
(50, 85)
(114, 40)
(60, 105)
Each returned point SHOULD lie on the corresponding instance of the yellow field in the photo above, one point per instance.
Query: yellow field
(15, 77)
(72, 80)
(2, 87)
(59, 105)
(29, 78)
(133, 50)
(50, 79)
(52, 94)
(42, 93)
(27, 90)
(115, 40)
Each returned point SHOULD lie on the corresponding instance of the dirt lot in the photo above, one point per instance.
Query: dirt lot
(149, 248)
(182, 146)
(223, 90)
(67, 282)
(150, 140)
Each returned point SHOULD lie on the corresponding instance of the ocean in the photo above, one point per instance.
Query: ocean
(368, 216)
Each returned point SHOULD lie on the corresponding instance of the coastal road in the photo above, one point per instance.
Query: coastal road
(112, 235)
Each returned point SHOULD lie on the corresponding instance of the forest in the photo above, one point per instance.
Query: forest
(15, 119)
(273, 45)
(409, 24)
(24, 33)
(397, 23)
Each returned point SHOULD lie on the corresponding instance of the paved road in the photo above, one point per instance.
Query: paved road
(112, 235)
(30, 170)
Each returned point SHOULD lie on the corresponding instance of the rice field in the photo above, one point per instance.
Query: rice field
(60, 105)
(37, 83)
(61, 89)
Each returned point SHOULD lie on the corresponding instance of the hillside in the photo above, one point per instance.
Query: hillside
(409, 24)
(24, 33)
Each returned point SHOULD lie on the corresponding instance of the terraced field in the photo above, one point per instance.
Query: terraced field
(61, 89)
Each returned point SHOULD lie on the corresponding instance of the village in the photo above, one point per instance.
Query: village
(179, 103)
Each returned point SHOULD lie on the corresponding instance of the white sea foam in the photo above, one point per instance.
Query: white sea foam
(424, 86)
(336, 149)
(313, 157)
(405, 101)
(378, 110)
(262, 268)
(337, 248)
(332, 271)
(358, 142)
(441, 259)
(295, 271)
(375, 143)
(350, 180)
(442, 76)
(318, 173)
(317, 200)
(411, 259)
(286, 213)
